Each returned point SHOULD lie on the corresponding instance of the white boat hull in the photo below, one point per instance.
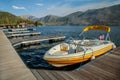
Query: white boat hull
(64, 58)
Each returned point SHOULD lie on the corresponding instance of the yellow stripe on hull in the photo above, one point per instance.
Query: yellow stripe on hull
(77, 59)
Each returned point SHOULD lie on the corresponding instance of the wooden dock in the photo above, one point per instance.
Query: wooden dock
(106, 67)
(21, 29)
(36, 39)
(11, 65)
(16, 32)
(23, 34)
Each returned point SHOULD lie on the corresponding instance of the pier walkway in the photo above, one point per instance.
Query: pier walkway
(24, 34)
(16, 32)
(11, 65)
(36, 39)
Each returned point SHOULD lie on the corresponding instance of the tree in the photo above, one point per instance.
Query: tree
(40, 24)
(36, 23)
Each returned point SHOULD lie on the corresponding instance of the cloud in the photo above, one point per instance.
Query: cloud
(65, 9)
(68, 8)
(51, 7)
(40, 4)
(18, 8)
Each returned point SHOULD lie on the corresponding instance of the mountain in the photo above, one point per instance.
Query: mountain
(8, 18)
(29, 17)
(49, 19)
(103, 16)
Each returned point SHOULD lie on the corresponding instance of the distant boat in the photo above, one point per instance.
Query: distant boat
(77, 51)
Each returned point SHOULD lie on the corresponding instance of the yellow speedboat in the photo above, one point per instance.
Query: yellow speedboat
(77, 51)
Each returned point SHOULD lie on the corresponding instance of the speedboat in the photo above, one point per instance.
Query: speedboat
(77, 51)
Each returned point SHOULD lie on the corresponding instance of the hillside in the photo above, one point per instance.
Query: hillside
(8, 18)
(29, 17)
(104, 16)
(49, 20)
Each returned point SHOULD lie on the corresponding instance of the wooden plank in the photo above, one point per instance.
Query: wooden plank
(35, 39)
(44, 75)
(100, 72)
(73, 75)
(24, 34)
(58, 76)
(108, 68)
(81, 75)
(62, 73)
(11, 66)
(37, 75)
(117, 53)
(48, 73)
(110, 64)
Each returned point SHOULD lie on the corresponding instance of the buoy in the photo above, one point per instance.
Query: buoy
(92, 57)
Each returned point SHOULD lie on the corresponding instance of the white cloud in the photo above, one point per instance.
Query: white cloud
(66, 9)
(51, 7)
(18, 8)
(40, 4)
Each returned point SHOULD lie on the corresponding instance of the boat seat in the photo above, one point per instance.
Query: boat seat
(63, 47)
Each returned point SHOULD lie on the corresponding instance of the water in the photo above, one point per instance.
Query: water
(33, 56)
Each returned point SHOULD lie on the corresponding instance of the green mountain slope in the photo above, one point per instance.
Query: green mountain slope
(8, 18)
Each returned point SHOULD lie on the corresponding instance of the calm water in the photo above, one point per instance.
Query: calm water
(33, 55)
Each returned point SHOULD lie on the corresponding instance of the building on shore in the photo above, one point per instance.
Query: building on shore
(20, 25)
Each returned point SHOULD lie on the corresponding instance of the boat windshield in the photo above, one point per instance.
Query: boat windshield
(92, 42)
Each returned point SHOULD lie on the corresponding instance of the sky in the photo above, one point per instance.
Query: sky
(41, 8)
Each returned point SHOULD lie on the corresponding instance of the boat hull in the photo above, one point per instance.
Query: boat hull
(64, 61)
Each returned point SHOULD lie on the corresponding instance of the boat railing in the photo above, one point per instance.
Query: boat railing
(85, 51)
